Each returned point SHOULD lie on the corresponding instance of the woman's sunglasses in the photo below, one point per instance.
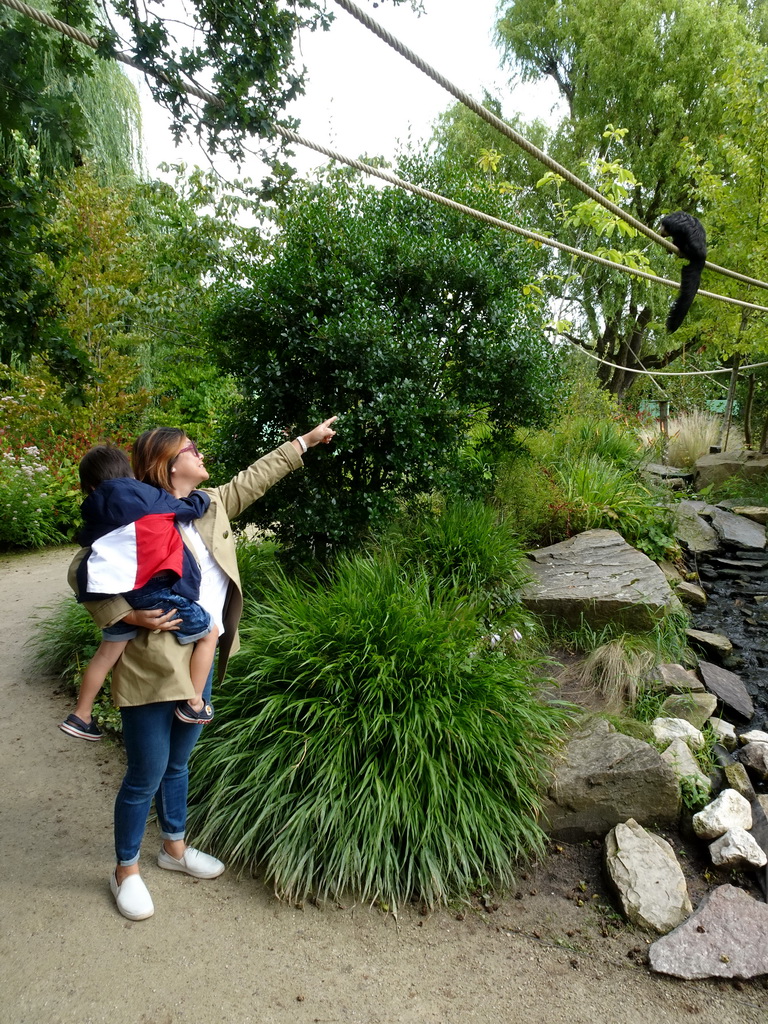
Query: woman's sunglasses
(188, 448)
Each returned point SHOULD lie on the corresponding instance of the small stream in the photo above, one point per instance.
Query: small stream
(736, 585)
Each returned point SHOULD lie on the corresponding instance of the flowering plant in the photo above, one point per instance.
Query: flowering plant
(36, 507)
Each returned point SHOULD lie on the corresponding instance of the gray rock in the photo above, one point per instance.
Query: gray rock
(693, 532)
(754, 757)
(737, 849)
(728, 688)
(737, 532)
(711, 642)
(754, 512)
(647, 878)
(715, 469)
(690, 593)
(605, 777)
(737, 778)
(729, 810)
(753, 736)
(724, 732)
(597, 578)
(665, 730)
(685, 766)
(696, 708)
(724, 938)
(674, 678)
(668, 472)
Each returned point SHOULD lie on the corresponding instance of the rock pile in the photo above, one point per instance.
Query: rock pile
(615, 786)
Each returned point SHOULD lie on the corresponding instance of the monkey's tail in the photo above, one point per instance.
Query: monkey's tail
(690, 277)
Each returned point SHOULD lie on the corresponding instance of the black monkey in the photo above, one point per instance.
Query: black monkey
(689, 236)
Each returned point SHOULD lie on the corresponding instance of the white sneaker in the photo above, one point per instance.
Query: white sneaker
(132, 897)
(195, 863)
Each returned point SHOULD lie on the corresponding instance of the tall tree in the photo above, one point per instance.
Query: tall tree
(655, 69)
(59, 108)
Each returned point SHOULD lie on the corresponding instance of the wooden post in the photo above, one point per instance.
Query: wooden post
(729, 404)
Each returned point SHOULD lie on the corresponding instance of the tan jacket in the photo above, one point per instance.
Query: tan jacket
(155, 667)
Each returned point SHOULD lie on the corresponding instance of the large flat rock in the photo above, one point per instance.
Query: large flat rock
(597, 578)
(725, 938)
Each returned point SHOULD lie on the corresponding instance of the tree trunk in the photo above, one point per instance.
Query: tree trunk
(729, 403)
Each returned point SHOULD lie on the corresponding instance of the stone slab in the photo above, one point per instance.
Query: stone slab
(724, 938)
(728, 688)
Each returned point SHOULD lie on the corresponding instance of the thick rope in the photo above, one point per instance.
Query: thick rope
(497, 222)
(660, 373)
(377, 172)
(507, 130)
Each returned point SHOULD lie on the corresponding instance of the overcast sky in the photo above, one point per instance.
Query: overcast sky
(363, 97)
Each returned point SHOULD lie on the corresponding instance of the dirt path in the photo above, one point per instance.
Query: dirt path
(226, 951)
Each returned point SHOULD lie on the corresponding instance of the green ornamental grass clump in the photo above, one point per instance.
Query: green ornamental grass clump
(364, 742)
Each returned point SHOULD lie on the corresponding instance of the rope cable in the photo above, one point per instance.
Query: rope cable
(388, 176)
(496, 122)
(658, 373)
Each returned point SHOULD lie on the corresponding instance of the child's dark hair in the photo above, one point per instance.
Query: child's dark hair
(104, 462)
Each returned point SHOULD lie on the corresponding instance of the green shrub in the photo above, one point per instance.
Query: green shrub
(36, 506)
(64, 641)
(601, 495)
(530, 497)
(467, 544)
(365, 742)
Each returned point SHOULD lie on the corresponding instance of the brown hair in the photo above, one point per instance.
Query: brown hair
(152, 455)
(103, 462)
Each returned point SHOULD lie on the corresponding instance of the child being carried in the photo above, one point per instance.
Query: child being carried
(137, 552)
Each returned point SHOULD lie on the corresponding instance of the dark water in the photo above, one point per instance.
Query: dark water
(736, 584)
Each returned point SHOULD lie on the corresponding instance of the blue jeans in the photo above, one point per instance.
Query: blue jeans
(157, 746)
(195, 620)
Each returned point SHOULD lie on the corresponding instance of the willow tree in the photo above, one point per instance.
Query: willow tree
(653, 72)
(60, 108)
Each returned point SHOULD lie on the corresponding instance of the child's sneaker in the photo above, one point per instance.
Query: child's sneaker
(187, 713)
(74, 726)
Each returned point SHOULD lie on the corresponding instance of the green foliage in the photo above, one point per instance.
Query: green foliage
(465, 544)
(582, 476)
(618, 663)
(364, 742)
(667, 640)
(36, 506)
(64, 640)
(248, 53)
(664, 77)
(404, 318)
(695, 793)
(59, 108)
(600, 495)
(530, 497)
(647, 704)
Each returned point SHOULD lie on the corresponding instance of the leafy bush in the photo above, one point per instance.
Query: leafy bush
(599, 494)
(407, 320)
(37, 506)
(64, 641)
(364, 742)
(582, 476)
(466, 544)
(530, 497)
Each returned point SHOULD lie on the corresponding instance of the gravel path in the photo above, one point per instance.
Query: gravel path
(227, 951)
